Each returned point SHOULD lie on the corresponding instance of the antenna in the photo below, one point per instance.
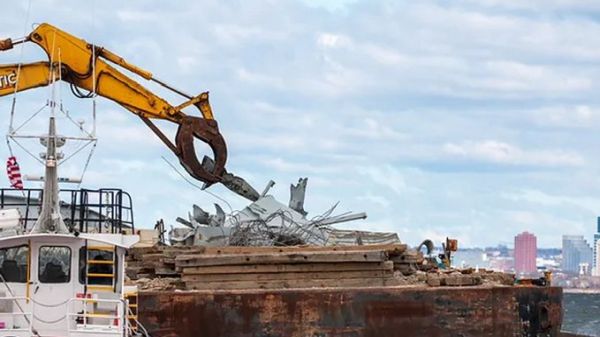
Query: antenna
(50, 219)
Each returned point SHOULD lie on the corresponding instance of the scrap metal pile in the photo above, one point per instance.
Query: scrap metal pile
(268, 222)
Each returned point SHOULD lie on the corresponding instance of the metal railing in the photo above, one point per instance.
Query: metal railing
(116, 324)
(28, 316)
(104, 210)
(83, 317)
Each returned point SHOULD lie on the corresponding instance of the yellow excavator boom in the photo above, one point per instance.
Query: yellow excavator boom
(32, 75)
(86, 67)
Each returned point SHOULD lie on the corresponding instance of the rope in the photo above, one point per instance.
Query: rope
(29, 152)
(93, 22)
(144, 331)
(74, 122)
(87, 163)
(93, 51)
(59, 78)
(10, 150)
(37, 318)
(27, 14)
(76, 152)
(10, 292)
(196, 186)
(60, 304)
(51, 76)
(31, 117)
(21, 52)
(14, 103)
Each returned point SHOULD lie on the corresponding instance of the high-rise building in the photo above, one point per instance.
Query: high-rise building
(575, 250)
(596, 265)
(525, 253)
(596, 270)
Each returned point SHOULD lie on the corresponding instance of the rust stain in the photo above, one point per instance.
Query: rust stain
(355, 312)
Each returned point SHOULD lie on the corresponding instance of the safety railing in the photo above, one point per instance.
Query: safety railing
(105, 210)
(114, 323)
(27, 317)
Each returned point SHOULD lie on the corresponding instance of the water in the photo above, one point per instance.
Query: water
(582, 314)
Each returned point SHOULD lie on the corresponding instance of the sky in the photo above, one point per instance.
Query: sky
(475, 120)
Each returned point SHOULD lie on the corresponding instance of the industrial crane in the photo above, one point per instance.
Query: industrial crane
(86, 67)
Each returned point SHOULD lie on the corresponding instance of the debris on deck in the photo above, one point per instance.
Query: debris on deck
(214, 268)
(268, 222)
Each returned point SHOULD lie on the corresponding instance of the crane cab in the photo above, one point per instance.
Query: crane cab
(65, 285)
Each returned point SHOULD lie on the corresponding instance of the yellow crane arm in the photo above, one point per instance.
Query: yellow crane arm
(30, 76)
(86, 66)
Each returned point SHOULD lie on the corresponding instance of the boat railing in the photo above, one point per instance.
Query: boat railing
(113, 323)
(106, 210)
(28, 316)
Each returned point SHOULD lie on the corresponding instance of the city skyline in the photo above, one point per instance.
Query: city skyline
(596, 242)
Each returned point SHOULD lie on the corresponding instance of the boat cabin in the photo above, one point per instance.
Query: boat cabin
(66, 285)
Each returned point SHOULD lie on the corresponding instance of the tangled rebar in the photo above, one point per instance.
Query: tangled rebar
(277, 229)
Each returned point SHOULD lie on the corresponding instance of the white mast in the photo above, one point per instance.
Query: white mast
(50, 220)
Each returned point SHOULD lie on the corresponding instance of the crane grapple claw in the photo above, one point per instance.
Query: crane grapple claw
(206, 130)
(6, 44)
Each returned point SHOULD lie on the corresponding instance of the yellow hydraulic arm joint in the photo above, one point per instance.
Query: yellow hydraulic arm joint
(92, 68)
(114, 58)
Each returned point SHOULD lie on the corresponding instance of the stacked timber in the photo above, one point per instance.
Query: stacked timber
(214, 268)
(408, 262)
(156, 261)
(289, 267)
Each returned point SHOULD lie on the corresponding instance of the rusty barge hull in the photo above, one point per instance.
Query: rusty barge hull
(355, 312)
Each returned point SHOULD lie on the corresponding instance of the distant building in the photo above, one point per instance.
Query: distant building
(525, 253)
(596, 265)
(502, 263)
(597, 258)
(576, 251)
(471, 258)
(547, 263)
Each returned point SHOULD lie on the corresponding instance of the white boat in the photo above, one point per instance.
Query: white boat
(61, 282)
(66, 285)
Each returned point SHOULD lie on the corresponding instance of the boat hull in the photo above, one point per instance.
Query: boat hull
(355, 312)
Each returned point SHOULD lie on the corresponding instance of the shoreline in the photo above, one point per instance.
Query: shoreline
(580, 291)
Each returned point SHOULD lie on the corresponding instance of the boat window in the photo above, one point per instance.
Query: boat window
(54, 264)
(101, 263)
(13, 263)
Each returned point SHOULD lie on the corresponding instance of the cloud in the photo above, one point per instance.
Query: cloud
(330, 40)
(503, 153)
(389, 177)
(137, 16)
(375, 199)
(279, 164)
(332, 5)
(545, 199)
(577, 116)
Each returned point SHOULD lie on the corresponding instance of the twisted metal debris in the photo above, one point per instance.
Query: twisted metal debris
(268, 222)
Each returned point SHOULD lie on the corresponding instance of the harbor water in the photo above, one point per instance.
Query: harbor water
(582, 314)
